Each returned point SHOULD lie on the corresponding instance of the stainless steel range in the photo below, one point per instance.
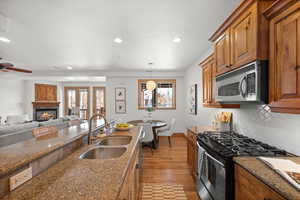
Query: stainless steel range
(215, 162)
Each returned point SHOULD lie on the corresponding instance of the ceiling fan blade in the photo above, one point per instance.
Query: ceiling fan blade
(19, 70)
(5, 65)
(3, 70)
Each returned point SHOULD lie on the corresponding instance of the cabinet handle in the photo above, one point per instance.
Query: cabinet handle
(267, 199)
(227, 66)
(297, 67)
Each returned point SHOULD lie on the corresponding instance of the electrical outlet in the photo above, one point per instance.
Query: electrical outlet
(20, 178)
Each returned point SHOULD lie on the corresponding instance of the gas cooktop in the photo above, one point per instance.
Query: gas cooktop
(232, 144)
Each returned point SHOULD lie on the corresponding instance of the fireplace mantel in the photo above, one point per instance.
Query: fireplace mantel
(45, 104)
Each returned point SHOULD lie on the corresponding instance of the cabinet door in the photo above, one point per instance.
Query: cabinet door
(51, 93)
(207, 76)
(248, 187)
(285, 61)
(243, 38)
(287, 32)
(222, 53)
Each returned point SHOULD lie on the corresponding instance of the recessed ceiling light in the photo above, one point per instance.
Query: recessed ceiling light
(118, 40)
(4, 39)
(177, 39)
(69, 68)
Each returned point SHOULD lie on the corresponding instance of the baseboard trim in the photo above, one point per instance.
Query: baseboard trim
(178, 135)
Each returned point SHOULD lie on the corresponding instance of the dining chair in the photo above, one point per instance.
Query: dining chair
(147, 140)
(168, 131)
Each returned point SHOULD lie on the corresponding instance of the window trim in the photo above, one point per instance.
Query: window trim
(173, 81)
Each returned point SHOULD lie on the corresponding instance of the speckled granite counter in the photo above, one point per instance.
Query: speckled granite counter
(269, 177)
(85, 179)
(16, 155)
(201, 129)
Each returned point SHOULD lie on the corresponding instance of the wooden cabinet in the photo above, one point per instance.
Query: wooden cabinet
(45, 92)
(207, 82)
(131, 185)
(209, 72)
(285, 57)
(222, 53)
(248, 187)
(192, 153)
(243, 37)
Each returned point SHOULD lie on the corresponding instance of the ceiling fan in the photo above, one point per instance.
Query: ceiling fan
(7, 67)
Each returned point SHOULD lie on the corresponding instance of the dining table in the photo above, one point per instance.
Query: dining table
(156, 124)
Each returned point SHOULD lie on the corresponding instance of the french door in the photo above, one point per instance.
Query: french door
(77, 101)
(99, 103)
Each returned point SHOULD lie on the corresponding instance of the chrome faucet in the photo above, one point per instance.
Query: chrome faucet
(90, 126)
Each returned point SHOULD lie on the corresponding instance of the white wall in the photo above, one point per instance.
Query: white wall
(130, 83)
(11, 97)
(281, 130)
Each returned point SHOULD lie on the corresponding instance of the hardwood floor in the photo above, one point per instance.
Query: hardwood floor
(169, 165)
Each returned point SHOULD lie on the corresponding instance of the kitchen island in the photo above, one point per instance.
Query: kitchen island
(74, 178)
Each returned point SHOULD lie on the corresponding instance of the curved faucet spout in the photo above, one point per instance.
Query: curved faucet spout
(90, 125)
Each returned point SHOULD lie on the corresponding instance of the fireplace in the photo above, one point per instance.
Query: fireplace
(44, 111)
(45, 114)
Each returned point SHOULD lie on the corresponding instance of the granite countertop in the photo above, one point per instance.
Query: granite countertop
(270, 177)
(73, 178)
(201, 129)
(19, 154)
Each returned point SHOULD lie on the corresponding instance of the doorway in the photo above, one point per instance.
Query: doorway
(77, 102)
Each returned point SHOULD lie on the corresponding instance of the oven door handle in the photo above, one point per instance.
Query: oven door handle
(214, 159)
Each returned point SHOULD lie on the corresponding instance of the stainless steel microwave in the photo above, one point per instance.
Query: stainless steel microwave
(246, 84)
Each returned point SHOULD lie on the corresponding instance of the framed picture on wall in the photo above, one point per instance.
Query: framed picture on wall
(193, 99)
(120, 94)
(120, 107)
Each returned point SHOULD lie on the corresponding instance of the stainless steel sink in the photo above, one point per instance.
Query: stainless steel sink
(103, 153)
(115, 141)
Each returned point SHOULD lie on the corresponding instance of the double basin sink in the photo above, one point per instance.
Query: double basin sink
(109, 147)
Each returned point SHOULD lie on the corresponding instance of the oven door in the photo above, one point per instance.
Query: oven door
(213, 177)
(201, 189)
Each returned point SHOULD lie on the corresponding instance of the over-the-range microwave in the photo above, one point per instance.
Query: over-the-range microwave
(244, 85)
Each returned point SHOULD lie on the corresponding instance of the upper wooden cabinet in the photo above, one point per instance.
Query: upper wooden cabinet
(209, 71)
(207, 80)
(243, 37)
(284, 56)
(222, 53)
(45, 92)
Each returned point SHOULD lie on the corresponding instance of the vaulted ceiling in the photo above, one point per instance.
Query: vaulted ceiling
(50, 35)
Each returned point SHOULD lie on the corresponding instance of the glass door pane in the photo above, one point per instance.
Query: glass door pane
(99, 100)
(83, 103)
(71, 98)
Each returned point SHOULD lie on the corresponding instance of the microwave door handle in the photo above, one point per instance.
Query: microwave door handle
(243, 94)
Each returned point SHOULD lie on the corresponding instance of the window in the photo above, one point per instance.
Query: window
(163, 97)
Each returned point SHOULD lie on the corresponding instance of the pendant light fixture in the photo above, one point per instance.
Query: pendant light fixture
(150, 84)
